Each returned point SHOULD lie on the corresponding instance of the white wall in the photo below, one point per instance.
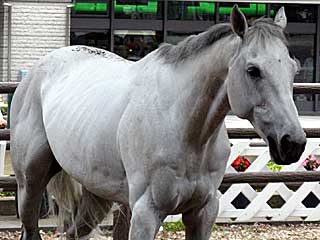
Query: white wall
(3, 37)
(37, 29)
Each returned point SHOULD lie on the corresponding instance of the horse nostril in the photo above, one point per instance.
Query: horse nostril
(287, 146)
(292, 148)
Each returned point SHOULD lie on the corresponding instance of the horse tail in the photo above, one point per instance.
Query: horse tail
(66, 194)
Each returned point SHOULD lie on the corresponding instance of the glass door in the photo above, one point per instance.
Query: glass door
(302, 29)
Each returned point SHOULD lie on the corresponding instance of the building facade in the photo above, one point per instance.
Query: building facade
(133, 28)
(29, 30)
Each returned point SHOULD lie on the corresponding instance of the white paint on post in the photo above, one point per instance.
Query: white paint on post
(2, 156)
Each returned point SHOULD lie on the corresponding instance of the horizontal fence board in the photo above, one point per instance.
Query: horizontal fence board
(4, 134)
(306, 88)
(294, 185)
(299, 88)
(240, 133)
(230, 178)
(268, 177)
(8, 87)
(246, 133)
(8, 183)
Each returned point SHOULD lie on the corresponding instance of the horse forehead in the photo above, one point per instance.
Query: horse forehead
(266, 55)
(271, 50)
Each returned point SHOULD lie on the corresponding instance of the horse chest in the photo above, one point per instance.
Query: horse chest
(177, 193)
(194, 193)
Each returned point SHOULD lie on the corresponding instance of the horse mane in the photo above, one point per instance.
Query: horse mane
(263, 29)
(260, 29)
(193, 44)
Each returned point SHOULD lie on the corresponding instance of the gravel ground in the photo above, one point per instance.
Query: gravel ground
(224, 232)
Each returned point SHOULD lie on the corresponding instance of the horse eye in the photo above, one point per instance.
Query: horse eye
(254, 72)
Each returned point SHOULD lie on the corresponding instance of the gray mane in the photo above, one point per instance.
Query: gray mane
(264, 29)
(193, 44)
(260, 30)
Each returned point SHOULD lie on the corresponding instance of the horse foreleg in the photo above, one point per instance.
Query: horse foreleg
(145, 220)
(199, 222)
(91, 212)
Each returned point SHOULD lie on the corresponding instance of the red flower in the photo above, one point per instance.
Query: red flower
(240, 164)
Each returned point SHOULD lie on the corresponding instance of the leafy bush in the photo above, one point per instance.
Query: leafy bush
(173, 226)
(274, 167)
(7, 194)
(179, 226)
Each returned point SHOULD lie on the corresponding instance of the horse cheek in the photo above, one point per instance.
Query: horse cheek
(239, 97)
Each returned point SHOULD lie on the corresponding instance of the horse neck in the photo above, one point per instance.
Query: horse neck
(205, 105)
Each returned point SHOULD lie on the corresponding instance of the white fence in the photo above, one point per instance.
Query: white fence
(275, 202)
(3, 145)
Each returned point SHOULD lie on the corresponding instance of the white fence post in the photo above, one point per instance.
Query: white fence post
(2, 156)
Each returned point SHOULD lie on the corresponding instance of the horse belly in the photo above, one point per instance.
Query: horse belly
(91, 157)
(82, 131)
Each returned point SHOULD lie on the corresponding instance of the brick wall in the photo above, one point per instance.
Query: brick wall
(37, 29)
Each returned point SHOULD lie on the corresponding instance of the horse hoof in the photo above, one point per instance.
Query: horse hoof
(30, 235)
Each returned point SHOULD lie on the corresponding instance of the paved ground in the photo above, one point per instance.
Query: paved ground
(221, 232)
(11, 222)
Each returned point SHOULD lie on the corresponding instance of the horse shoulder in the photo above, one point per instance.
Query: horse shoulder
(218, 151)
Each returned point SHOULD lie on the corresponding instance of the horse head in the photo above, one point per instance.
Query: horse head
(260, 85)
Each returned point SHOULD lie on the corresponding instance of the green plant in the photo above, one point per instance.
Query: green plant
(7, 194)
(173, 226)
(179, 226)
(215, 227)
(274, 167)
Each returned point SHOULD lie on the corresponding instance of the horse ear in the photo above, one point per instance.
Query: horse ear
(281, 18)
(238, 21)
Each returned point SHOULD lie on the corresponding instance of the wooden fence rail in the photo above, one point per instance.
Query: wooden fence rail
(263, 177)
(235, 133)
(299, 88)
(8, 87)
(9, 183)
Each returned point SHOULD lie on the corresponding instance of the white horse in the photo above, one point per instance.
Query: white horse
(151, 133)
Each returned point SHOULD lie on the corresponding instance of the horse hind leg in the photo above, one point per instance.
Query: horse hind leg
(34, 165)
(90, 213)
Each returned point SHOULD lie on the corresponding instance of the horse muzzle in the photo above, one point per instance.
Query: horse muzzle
(288, 150)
